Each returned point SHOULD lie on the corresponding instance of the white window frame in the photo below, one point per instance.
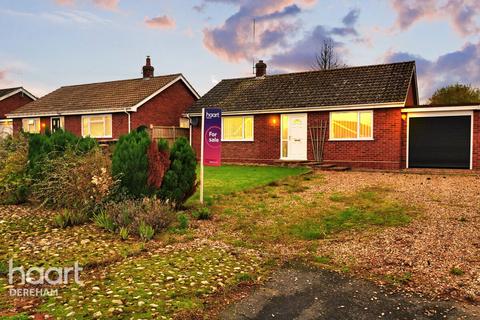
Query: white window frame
(34, 119)
(62, 123)
(358, 138)
(243, 129)
(104, 126)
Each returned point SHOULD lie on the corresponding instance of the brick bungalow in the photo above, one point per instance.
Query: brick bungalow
(11, 99)
(370, 113)
(108, 110)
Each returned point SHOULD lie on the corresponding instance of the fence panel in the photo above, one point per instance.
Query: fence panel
(168, 133)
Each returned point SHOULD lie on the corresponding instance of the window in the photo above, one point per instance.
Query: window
(237, 128)
(57, 123)
(354, 125)
(31, 125)
(97, 126)
(6, 128)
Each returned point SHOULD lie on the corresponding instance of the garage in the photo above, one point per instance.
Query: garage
(439, 140)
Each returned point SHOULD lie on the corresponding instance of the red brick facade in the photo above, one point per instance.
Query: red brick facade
(165, 109)
(386, 151)
(383, 152)
(11, 103)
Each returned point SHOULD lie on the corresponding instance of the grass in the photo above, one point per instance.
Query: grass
(297, 213)
(229, 179)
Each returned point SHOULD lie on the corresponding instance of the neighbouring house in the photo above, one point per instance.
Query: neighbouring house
(11, 99)
(107, 110)
(369, 115)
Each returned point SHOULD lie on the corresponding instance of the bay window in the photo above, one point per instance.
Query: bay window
(97, 126)
(237, 128)
(351, 125)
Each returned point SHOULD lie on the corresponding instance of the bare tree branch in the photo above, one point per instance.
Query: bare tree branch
(327, 58)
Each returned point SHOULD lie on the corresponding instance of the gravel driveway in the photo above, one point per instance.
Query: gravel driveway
(439, 251)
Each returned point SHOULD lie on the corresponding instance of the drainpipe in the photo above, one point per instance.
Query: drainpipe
(129, 123)
(190, 128)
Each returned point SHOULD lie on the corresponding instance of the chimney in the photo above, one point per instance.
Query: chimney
(261, 68)
(148, 69)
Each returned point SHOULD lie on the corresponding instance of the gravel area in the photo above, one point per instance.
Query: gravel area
(438, 253)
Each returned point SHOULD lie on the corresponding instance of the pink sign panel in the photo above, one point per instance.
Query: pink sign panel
(212, 144)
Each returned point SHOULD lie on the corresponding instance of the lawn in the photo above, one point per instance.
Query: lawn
(228, 179)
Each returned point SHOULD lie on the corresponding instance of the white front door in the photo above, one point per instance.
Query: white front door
(294, 136)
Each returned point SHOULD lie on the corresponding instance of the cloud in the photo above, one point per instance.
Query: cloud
(3, 74)
(104, 4)
(462, 66)
(349, 22)
(161, 22)
(461, 14)
(276, 21)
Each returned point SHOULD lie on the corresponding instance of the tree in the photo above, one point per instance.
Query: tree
(327, 58)
(179, 182)
(455, 94)
(130, 163)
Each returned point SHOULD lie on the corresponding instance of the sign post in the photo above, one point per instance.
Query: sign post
(211, 144)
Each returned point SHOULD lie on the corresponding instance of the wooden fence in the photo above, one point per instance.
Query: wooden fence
(168, 133)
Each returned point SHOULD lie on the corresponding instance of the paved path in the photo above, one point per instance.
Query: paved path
(297, 293)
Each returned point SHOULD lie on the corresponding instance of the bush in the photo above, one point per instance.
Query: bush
(14, 181)
(182, 221)
(130, 163)
(130, 214)
(145, 231)
(44, 147)
(69, 218)
(179, 182)
(202, 213)
(104, 221)
(75, 182)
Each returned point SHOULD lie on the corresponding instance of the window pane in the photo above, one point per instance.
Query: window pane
(233, 128)
(85, 127)
(284, 127)
(248, 124)
(366, 124)
(108, 126)
(31, 125)
(284, 149)
(97, 129)
(344, 125)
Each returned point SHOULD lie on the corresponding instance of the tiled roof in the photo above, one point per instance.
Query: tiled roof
(96, 97)
(4, 92)
(376, 84)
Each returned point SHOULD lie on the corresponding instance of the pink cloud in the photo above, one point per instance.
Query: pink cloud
(107, 4)
(277, 21)
(65, 2)
(104, 4)
(461, 14)
(3, 74)
(161, 22)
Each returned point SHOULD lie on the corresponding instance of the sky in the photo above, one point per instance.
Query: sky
(47, 44)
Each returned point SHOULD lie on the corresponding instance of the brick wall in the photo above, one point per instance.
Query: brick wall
(264, 149)
(12, 103)
(166, 108)
(163, 110)
(384, 152)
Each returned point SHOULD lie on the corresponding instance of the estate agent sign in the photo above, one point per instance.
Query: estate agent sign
(212, 137)
(211, 143)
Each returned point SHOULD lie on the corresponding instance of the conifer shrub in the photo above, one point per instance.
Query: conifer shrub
(130, 163)
(179, 182)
